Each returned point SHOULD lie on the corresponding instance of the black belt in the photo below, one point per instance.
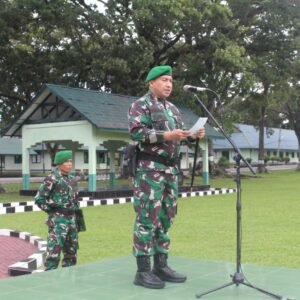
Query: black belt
(63, 211)
(165, 161)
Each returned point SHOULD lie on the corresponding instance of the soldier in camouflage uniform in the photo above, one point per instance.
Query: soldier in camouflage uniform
(156, 125)
(57, 196)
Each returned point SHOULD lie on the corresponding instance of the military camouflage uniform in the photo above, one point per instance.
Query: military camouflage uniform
(58, 197)
(155, 184)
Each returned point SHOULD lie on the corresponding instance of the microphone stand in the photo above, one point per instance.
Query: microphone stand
(238, 277)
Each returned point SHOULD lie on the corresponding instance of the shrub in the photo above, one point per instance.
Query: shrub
(223, 162)
(274, 158)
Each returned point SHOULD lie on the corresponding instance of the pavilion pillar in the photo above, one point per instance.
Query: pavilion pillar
(112, 168)
(92, 168)
(205, 163)
(25, 168)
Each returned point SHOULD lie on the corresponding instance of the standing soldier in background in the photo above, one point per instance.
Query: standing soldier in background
(58, 197)
(156, 125)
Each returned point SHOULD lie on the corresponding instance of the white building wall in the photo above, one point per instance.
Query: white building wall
(253, 154)
(38, 163)
(10, 163)
(186, 162)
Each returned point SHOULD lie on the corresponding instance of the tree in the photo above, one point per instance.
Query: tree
(69, 42)
(239, 49)
(43, 41)
(287, 96)
(268, 37)
(52, 149)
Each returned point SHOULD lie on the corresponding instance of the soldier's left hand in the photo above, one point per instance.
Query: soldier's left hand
(199, 134)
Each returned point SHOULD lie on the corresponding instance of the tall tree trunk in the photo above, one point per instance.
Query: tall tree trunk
(298, 138)
(261, 168)
(52, 149)
(293, 116)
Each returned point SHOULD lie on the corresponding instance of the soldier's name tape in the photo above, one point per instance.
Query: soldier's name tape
(29, 206)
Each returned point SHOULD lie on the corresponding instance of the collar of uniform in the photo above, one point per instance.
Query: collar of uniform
(57, 172)
(154, 98)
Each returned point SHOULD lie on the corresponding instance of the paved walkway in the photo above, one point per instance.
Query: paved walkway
(269, 167)
(12, 250)
(4, 180)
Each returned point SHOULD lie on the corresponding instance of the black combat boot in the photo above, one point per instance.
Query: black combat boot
(144, 276)
(163, 271)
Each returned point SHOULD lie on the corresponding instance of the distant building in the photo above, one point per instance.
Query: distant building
(40, 161)
(83, 121)
(278, 143)
(39, 158)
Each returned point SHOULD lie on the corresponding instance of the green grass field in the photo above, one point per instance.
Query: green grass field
(204, 228)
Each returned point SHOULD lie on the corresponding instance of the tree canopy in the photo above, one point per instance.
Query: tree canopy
(70, 42)
(246, 51)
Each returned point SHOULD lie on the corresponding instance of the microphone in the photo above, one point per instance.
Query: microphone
(194, 88)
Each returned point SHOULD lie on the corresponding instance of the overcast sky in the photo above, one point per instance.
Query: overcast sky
(100, 5)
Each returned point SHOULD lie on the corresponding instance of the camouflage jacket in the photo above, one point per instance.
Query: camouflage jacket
(57, 191)
(149, 118)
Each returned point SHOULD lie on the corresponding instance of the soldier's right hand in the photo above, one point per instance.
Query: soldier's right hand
(176, 135)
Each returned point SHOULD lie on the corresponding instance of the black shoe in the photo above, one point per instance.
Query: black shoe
(164, 272)
(148, 280)
(144, 276)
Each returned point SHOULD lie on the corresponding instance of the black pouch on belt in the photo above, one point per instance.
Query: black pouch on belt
(80, 223)
(131, 156)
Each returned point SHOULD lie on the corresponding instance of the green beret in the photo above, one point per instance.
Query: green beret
(62, 156)
(158, 71)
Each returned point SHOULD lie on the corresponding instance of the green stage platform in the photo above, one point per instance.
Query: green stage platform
(112, 280)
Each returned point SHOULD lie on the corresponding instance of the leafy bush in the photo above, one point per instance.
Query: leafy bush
(274, 159)
(223, 162)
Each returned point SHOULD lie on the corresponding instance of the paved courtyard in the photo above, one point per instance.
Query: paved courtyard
(112, 280)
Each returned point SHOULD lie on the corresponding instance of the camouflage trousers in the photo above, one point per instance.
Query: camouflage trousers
(62, 237)
(155, 204)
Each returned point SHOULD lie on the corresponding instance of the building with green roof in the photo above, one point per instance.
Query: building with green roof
(75, 118)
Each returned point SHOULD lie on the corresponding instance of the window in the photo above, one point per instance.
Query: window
(85, 157)
(18, 159)
(293, 154)
(100, 157)
(2, 162)
(35, 159)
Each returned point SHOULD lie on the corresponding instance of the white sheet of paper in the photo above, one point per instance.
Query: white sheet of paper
(199, 124)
